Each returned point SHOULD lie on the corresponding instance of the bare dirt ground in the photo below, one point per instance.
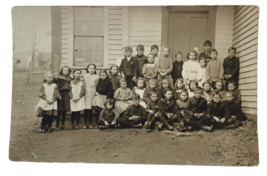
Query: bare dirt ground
(232, 147)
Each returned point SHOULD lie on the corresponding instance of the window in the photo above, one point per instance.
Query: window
(88, 36)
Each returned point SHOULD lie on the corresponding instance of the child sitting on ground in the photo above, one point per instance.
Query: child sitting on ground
(165, 113)
(197, 111)
(236, 92)
(177, 66)
(207, 91)
(206, 54)
(108, 116)
(140, 89)
(152, 88)
(152, 109)
(134, 116)
(214, 70)
(234, 109)
(218, 114)
(149, 69)
(179, 86)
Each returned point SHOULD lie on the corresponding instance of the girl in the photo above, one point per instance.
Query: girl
(190, 67)
(103, 91)
(140, 89)
(164, 67)
(64, 88)
(207, 91)
(90, 81)
(108, 116)
(150, 70)
(201, 75)
(219, 87)
(164, 85)
(114, 77)
(77, 103)
(123, 97)
(47, 106)
(152, 88)
(179, 86)
(191, 86)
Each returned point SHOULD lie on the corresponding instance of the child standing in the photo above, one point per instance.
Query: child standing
(134, 116)
(140, 89)
(90, 80)
(129, 67)
(201, 75)
(164, 67)
(207, 91)
(149, 69)
(108, 116)
(47, 104)
(206, 54)
(64, 88)
(231, 67)
(179, 86)
(236, 93)
(214, 70)
(152, 88)
(154, 50)
(141, 59)
(190, 67)
(103, 91)
(123, 97)
(77, 104)
(177, 67)
(114, 77)
(118, 62)
(152, 110)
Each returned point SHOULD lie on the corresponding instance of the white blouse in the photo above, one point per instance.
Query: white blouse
(190, 70)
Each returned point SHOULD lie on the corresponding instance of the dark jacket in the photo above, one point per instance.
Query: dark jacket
(141, 60)
(205, 56)
(115, 80)
(129, 68)
(177, 93)
(148, 91)
(182, 105)
(217, 109)
(104, 87)
(197, 106)
(135, 110)
(177, 70)
(109, 115)
(166, 107)
(237, 96)
(231, 67)
(154, 106)
(233, 107)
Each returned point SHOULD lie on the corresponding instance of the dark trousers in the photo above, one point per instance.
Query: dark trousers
(241, 117)
(227, 122)
(129, 123)
(59, 113)
(75, 116)
(101, 122)
(164, 119)
(88, 114)
(213, 83)
(130, 82)
(152, 119)
(196, 123)
(46, 121)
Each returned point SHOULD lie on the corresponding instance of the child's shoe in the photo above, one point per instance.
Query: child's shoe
(148, 125)
(49, 129)
(57, 128)
(43, 130)
(84, 126)
(90, 126)
(63, 127)
(76, 127)
(190, 128)
(169, 127)
(71, 127)
(160, 126)
(138, 125)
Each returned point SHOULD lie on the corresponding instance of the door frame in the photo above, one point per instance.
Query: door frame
(167, 11)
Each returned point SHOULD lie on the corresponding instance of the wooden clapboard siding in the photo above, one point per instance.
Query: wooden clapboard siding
(145, 27)
(224, 30)
(245, 39)
(67, 36)
(115, 33)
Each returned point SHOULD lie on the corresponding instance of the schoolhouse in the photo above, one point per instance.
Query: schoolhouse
(86, 34)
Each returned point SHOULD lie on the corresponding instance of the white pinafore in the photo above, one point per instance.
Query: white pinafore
(49, 91)
(80, 104)
(90, 89)
(140, 92)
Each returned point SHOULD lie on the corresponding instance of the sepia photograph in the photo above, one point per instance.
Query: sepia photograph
(160, 85)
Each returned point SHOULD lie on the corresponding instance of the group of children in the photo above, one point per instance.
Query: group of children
(200, 93)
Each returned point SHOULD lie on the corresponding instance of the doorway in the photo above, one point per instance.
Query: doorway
(186, 31)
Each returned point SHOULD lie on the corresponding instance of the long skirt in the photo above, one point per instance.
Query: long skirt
(64, 103)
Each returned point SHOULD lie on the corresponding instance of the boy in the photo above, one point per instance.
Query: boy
(155, 50)
(236, 92)
(165, 113)
(152, 110)
(128, 67)
(177, 67)
(164, 67)
(231, 67)
(197, 110)
(218, 114)
(141, 59)
(206, 54)
(118, 62)
(134, 116)
(214, 69)
(234, 109)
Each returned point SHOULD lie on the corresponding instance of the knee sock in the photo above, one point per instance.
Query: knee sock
(78, 115)
(73, 114)
(50, 121)
(63, 117)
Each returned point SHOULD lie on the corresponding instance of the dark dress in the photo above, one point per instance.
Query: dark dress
(231, 67)
(64, 88)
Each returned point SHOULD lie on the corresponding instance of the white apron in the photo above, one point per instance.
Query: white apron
(80, 104)
(49, 91)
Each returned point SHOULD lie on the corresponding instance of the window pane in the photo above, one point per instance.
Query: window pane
(89, 43)
(89, 57)
(79, 43)
(98, 43)
(79, 58)
(98, 57)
